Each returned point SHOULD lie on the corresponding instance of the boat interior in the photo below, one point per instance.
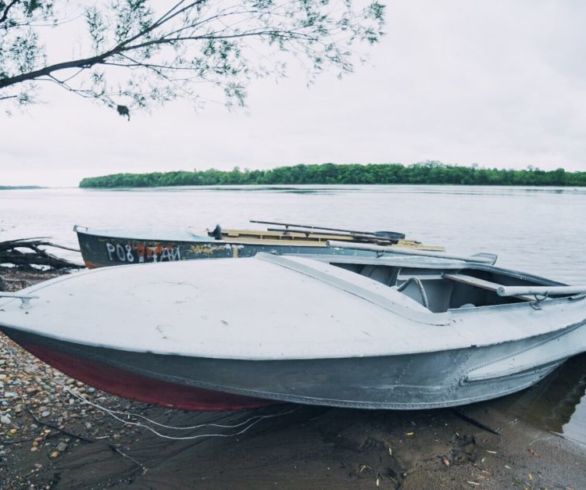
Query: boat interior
(441, 289)
(313, 236)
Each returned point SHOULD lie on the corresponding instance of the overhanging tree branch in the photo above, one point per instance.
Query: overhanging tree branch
(225, 44)
(120, 49)
(47, 70)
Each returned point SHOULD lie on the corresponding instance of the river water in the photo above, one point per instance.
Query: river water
(539, 230)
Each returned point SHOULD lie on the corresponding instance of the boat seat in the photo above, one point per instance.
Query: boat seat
(480, 283)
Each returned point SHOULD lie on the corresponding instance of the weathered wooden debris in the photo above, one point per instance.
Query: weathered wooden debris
(25, 253)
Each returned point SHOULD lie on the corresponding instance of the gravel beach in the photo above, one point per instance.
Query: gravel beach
(56, 432)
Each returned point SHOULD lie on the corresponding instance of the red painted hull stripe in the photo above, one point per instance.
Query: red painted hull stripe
(141, 388)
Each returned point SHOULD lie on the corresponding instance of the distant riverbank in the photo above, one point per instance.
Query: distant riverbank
(330, 173)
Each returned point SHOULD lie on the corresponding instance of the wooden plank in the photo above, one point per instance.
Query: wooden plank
(266, 241)
(276, 235)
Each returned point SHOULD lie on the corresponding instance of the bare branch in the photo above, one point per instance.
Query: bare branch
(80, 63)
(4, 15)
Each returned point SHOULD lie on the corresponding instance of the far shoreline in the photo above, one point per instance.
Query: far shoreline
(20, 187)
(428, 173)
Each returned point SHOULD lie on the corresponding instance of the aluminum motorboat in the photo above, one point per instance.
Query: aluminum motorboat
(388, 332)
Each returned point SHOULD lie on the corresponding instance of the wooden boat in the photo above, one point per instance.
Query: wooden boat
(390, 332)
(101, 248)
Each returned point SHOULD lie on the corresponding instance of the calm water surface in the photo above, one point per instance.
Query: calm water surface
(539, 230)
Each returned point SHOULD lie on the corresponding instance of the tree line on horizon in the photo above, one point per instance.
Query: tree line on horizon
(330, 173)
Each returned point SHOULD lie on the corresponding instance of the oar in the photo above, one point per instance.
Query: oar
(540, 290)
(390, 235)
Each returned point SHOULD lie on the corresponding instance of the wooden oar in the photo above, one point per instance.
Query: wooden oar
(389, 235)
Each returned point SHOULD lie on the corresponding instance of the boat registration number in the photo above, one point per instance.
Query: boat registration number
(125, 252)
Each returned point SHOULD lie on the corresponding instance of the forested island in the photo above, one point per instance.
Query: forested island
(330, 173)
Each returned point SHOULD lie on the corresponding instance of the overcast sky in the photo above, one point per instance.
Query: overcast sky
(498, 83)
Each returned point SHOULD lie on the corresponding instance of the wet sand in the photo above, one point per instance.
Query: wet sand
(49, 438)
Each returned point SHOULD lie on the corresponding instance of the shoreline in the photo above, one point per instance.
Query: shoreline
(50, 438)
(429, 172)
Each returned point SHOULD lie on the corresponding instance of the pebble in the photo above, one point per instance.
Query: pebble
(62, 447)
(5, 419)
(54, 454)
(45, 413)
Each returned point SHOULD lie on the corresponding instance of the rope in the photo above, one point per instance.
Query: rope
(252, 421)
